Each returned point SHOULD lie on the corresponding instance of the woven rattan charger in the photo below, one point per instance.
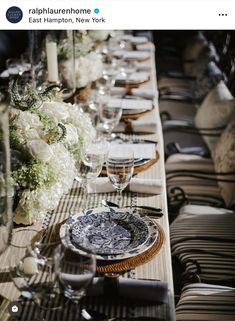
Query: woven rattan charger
(133, 262)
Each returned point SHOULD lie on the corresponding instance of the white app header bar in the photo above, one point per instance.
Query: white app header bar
(121, 14)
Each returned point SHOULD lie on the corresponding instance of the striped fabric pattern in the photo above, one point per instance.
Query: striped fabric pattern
(180, 173)
(178, 110)
(200, 301)
(204, 242)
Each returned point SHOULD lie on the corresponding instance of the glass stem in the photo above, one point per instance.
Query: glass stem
(119, 198)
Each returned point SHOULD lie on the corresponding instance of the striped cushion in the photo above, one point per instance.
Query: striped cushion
(171, 83)
(200, 301)
(203, 239)
(195, 188)
(182, 161)
(178, 110)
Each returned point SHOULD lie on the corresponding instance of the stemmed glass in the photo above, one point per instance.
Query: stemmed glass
(110, 115)
(75, 272)
(90, 162)
(120, 168)
(106, 82)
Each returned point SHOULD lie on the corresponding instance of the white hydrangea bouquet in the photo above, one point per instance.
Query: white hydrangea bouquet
(46, 137)
(99, 35)
(88, 63)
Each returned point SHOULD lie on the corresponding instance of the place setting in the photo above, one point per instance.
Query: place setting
(144, 152)
(133, 79)
(112, 234)
(120, 237)
(132, 107)
(126, 114)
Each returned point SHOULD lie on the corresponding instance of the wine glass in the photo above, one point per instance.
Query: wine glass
(120, 168)
(110, 114)
(90, 161)
(105, 83)
(74, 271)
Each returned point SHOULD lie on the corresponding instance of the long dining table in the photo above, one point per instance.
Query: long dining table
(157, 267)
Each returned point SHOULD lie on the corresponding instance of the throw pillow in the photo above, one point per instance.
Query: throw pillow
(216, 110)
(224, 162)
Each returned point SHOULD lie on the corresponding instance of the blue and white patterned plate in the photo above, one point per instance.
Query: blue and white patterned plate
(111, 233)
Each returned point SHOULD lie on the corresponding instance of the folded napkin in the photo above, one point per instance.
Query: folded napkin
(145, 150)
(139, 185)
(132, 55)
(144, 290)
(131, 104)
(135, 78)
(137, 126)
(146, 93)
(145, 124)
(139, 40)
(135, 39)
(145, 47)
(136, 55)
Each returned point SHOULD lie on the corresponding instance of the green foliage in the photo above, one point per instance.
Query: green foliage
(49, 93)
(24, 101)
(76, 151)
(34, 175)
(14, 137)
(30, 98)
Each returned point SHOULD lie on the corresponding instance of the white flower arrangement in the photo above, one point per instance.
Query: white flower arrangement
(87, 69)
(45, 134)
(88, 63)
(99, 35)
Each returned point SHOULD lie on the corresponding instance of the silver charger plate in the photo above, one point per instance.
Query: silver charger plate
(111, 233)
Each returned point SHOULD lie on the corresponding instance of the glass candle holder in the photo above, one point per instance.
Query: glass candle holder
(59, 55)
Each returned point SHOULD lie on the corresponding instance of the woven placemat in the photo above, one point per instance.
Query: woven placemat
(140, 168)
(133, 262)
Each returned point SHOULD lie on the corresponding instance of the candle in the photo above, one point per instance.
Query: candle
(30, 265)
(52, 61)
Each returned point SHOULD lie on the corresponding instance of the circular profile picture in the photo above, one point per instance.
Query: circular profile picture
(14, 14)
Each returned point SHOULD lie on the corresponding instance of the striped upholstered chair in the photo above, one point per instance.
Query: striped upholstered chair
(211, 179)
(213, 114)
(206, 302)
(202, 240)
(181, 102)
